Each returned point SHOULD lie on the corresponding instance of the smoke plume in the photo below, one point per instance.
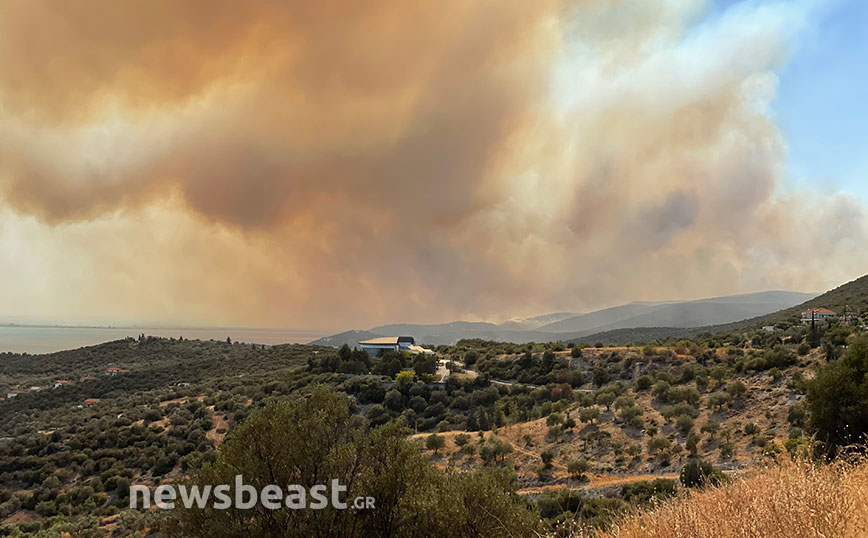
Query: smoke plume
(336, 163)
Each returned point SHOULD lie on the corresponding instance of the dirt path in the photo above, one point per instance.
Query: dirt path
(605, 480)
(600, 481)
(220, 421)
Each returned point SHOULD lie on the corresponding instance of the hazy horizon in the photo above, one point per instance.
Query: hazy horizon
(319, 331)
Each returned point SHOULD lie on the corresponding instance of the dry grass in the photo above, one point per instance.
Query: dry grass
(792, 499)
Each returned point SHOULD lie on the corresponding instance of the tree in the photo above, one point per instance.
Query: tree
(837, 399)
(711, 427)
(684, 423)
(312, 441)
(588, 414)
(623, 401)
(605, 398)
(692, 442)
(435, 442)
(576, 352)
(718, 399)
(601, 376)
(658, 443)
(394, 400)
(578, 468)
(736, 389)
(555, 432)
(425, 364)
(547, 456)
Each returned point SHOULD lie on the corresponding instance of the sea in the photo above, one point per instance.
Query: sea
(45, 339)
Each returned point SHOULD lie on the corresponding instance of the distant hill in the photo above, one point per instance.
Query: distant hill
(350, 338)
(567, 326)
(852, 296)
(697, 313)
(529, 324)
(601, 318)
(451, 333)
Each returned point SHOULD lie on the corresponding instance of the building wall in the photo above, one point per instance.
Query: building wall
(374, 350)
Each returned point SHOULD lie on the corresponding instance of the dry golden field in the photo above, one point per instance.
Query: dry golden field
(793, 499)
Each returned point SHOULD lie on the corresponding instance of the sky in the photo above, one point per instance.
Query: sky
(337, 165)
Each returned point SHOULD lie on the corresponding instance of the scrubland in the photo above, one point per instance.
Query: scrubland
(792, 499)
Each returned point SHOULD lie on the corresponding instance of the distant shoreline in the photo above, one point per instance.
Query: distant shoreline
(159, 327)
(39, 339)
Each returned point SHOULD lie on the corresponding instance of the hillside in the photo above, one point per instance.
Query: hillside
(712, 311)
(565, 326)
(535, 322)
(852, 297)
(350, 338)
(609, 428)
(819, 501)
(601, 318)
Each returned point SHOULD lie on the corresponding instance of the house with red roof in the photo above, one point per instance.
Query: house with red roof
(817, 314)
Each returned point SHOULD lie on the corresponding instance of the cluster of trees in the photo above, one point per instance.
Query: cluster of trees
(312, 441)
(837, 400)
(542, 369)
(388, 363)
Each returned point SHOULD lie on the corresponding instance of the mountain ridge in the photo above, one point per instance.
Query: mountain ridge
(852, 295)
(685, 314)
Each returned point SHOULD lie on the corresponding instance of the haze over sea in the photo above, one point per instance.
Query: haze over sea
(45, 339)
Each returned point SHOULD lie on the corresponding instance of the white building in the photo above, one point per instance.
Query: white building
(817, 314)
(375, 346)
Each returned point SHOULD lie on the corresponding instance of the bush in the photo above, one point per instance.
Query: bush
(697, 473)
(711, 427)
(736, 389)
(684, 423)
(555, 432)
(718, 400)
(658, 443)
(644, 382)
(554, 418)
(648, 491)
(435, 442)
(630, 413)
(578, 468)
(692, 442)
(796, 415)
(751, 429)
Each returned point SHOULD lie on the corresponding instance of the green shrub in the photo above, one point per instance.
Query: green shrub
(697, 473)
